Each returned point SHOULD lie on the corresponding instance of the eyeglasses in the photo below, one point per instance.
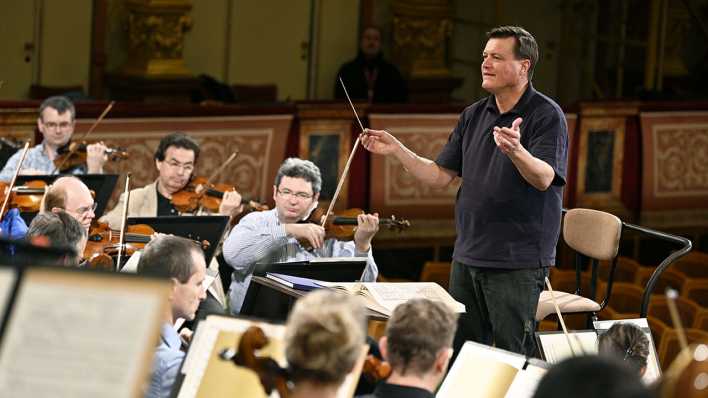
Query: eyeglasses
(53, 125)
(176, 165)
(286, 193)
(86, 209)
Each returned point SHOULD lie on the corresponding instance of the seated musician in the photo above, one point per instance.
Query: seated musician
(175, 159)
(70, 195)
(56, 123)
(628, 343)
(275, 235)
(324, 336)
(60, 230)
(183, 262)
(418, 346)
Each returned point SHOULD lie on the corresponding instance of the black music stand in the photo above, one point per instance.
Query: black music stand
(101, 184)
(265, 301)
(199, 228)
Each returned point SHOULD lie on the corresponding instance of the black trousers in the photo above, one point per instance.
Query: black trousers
(501, 306)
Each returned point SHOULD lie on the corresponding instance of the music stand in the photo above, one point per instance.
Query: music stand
(199, 228)
(101, 184)
(268, 303)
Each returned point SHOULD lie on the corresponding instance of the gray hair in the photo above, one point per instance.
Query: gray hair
(300, 168)
(60, 103)
(61, 229)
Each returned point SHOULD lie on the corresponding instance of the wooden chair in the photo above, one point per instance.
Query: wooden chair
(697, 291)
(700, 322)
(670, 347)
(693, 265)
(658, 329)
(438, 272)
(658, 308)
(594, 235)
(669, 278)
(625, 270)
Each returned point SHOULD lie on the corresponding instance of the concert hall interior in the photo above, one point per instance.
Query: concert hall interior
(505, 185)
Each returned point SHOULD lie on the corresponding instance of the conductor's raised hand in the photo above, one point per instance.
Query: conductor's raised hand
(508, 139)
(379, 141)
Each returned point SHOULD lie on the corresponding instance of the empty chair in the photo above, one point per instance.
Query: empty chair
(659, 308)
(701, 320)
(625, 270)
(658, 328)
(669, 278)
(594, 235)
(696, 290)
(670, 347)
(626, 298)
(436, 271)
(693, 265)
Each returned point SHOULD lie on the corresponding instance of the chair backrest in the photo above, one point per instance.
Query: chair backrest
(697, 291)
(658, 328)
(659, 308)
(625, 270)
(669, 278)
(593, 233)
(626, 298)
(693, 265)
(670, 345)
(700, 322)
(436, 271)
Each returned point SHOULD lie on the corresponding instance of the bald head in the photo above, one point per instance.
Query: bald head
(73, 196)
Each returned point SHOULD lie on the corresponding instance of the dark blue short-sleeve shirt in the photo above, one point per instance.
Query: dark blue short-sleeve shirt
(502, 220)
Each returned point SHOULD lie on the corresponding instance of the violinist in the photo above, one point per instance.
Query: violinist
(61, 230)
(175, 159)
(56, 124)
(70, 195)
(275, 235)
(182, 261)
(418, 346)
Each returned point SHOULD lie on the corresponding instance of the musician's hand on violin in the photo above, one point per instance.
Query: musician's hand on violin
(313, 233)
(367, 227)
(230, 204)
(96, 157)
(380, 142)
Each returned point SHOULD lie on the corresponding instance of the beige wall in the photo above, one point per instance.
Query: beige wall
(204, 45)
(338, 42)
(66, 43)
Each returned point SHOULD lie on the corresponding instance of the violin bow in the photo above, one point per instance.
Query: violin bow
(349, 161)
(222, 167)
(124, 221)
(14, 179)
(560, 316)
(671, 295)
(83, 137)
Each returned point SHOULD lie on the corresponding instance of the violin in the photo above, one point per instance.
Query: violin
(74, 155)
(375, 369)
(104, 241)
(26, 197)
(271, 375)
(341, 225)
(200, 194)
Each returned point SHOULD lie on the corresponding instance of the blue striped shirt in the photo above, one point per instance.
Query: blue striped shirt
(36, 159)
(260, 238)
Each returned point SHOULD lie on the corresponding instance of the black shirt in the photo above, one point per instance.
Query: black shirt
(503, 221)
(385, 390)
(387, 83)
(164, 206)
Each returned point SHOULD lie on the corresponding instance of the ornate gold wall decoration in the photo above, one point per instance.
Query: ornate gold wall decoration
(156, 30)
(421, 29)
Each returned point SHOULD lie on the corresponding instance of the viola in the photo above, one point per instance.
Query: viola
(74, 155)
(341, 225)
(200, 194)
(27, 197)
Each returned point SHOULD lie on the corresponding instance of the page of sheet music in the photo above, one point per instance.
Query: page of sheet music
(7, 282)
(201, 349)
(653, 371)
(526, 382)
(77, 341)
(555, 345)
(481, 371)
(390, 295)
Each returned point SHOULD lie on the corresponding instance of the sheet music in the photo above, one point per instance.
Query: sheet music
(7, 282)
(555, 345)
(653, 372)
(77, 341)
(526, 382)
(390, 295)
(481, 371)
(211, 334)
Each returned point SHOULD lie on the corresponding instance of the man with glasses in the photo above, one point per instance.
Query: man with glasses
(70, 195)
(175, 160)
(277, 235)
(56, 123)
